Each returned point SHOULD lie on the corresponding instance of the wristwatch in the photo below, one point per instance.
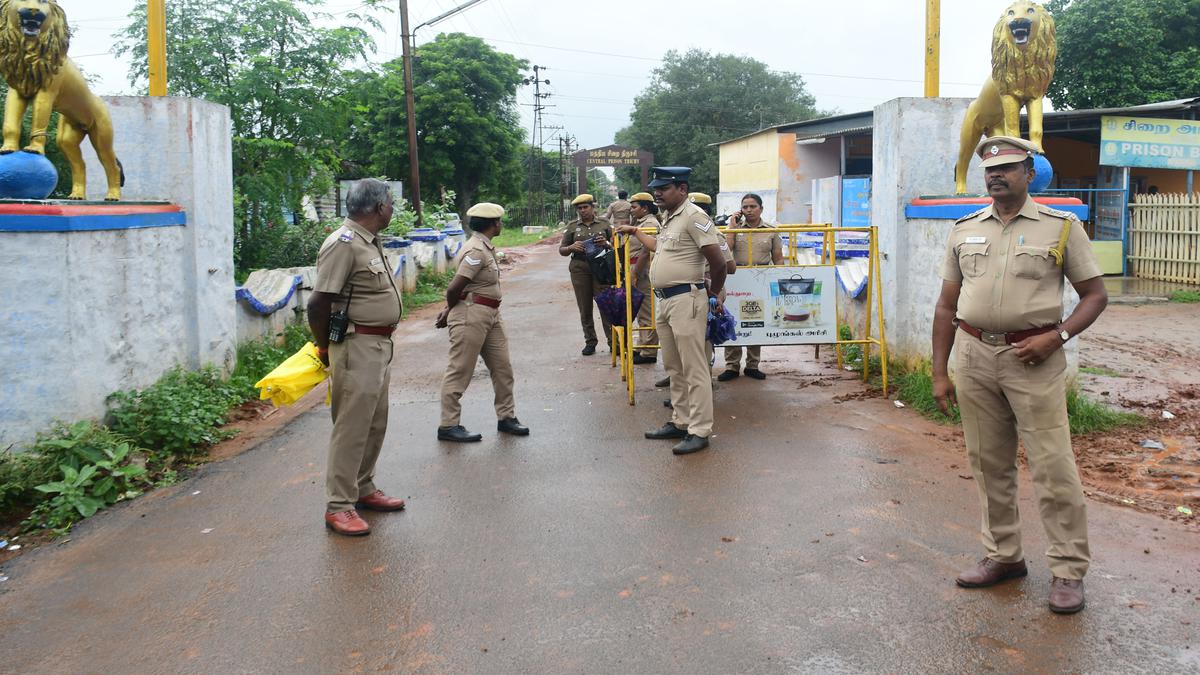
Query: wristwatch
(1064, 335)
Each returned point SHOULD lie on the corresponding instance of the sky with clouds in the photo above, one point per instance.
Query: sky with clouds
(853, 54)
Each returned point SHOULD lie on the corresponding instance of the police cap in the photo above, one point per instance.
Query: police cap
(700, 198)
(486, 210)
(583, 199)
(668, 175)
(999, 150)
(642, 197)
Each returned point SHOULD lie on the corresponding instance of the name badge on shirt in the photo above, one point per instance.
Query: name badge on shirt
(976, 240)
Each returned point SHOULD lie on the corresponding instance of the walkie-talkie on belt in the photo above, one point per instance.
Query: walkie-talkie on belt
(339, 321)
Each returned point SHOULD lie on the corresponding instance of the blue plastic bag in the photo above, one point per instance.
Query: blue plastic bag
(722, 327)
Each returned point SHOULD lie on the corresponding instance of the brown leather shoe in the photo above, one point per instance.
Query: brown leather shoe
(348, 523)
(377, 501)
(991, 572)
(1066, 595)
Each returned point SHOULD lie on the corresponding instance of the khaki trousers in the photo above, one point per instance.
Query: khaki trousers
(476, 330)
(359, 376)
(645, 316)
(682, 324)
(1002, 399)
(733, 358)
(586, 289)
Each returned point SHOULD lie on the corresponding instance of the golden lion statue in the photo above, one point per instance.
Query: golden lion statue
(34, 38)
(1023, 53)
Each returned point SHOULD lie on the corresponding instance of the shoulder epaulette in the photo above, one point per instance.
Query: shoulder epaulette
(1056, 213)
(971, 215)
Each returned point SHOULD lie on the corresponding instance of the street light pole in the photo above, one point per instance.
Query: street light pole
(414, 167)
(933, 47)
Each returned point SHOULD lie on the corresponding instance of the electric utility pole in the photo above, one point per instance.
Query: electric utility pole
(536, 198)
(410, 43)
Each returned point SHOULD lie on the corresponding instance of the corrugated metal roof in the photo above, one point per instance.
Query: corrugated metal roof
(852, 131)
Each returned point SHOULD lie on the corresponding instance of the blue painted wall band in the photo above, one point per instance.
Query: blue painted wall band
(137, 221)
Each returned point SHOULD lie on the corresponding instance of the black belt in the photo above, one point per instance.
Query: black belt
(672, 291)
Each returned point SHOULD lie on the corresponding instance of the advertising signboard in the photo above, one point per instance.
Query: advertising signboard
(1150, 142)
(783, 305)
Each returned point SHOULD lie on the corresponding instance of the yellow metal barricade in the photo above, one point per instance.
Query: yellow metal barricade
(624, 338)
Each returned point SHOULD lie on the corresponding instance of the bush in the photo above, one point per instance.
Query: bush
(280, 247)
(85, 466)
(1185, 296)
(178, 415)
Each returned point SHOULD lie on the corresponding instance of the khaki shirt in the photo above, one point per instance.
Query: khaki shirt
(477, 262)
(1010, 282)
(352, 259)
(618, 212)
(678, 259)
(577, 231)
(765, 245)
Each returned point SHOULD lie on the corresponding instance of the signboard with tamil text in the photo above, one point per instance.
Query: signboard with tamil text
(783, 305)
(1150, 142)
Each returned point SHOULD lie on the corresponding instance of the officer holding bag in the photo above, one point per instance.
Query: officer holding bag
(355, 341)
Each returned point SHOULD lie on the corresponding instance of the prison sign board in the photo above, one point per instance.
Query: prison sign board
(1150, 142)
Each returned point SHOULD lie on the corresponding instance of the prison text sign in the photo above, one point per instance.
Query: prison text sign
(1150, 142)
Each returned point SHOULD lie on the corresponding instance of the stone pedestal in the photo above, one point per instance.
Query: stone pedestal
(89, 312)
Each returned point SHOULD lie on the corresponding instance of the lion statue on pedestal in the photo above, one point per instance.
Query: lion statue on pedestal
(34, 37)
(1023, 53)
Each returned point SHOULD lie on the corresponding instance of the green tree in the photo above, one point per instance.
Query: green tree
(1114, 54)
(468, 127)
(282, 74)
(696, 99)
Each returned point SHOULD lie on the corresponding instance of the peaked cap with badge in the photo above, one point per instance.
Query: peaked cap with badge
(669, 175)
(486, 210)
(583, 199)
(999, 150)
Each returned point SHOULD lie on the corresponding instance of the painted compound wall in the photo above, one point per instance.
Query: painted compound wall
(90, 313)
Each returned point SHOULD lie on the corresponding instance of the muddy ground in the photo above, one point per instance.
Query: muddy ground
(1145, 359)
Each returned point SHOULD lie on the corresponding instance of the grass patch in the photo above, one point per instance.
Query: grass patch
(1089, 417)
(915, 388)
(513, 237)
(1185, 296)
(1100, 371)
(431, 289)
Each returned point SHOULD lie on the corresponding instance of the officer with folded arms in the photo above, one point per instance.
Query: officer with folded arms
(687, 242)
(472, 314)
(1001, 309)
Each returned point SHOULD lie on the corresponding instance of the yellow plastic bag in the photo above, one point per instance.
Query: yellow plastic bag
(293, 378)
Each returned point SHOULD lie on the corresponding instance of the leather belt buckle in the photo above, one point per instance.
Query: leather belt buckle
(993, 339)
(658, 293)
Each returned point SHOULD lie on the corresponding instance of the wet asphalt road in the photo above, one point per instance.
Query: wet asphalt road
(814, 536)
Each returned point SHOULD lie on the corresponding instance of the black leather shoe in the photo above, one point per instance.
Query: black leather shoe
(689, 445)
(458, 435)
(756, 374)
(728, 375)
(663, 383)
(512, 426)
(668, 431)
(588, 350)
(639, 360)
(667, 404)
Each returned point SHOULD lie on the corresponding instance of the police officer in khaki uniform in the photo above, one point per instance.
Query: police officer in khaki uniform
(353, 276)
(1001, 306)
(767, 249)
(644, 213)
(618, 213)
(586, 228)
(705, 204)
(687, 241)
(473, 315)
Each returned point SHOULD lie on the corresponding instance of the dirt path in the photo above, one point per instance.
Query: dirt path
(1145, 359)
